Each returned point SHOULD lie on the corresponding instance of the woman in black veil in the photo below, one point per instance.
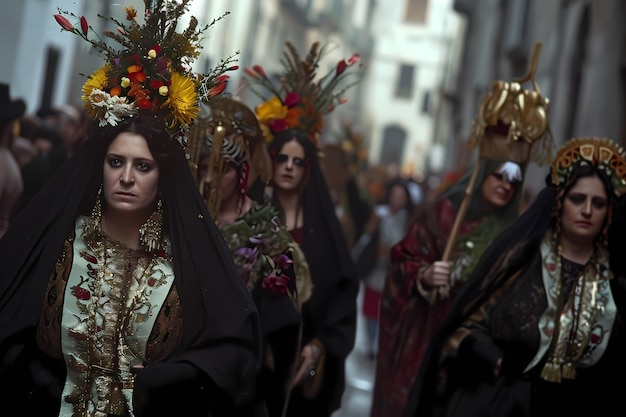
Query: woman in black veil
(118, 294)
(292, 123)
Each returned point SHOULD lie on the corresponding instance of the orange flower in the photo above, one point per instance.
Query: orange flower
(137, 91)
(294, 115)
(116, 91)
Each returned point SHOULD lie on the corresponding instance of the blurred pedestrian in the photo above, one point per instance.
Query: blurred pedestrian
(388, 225)
(11, 184)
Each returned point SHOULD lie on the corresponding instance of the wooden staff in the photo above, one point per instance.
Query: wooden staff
(460, 215)
(530, 76)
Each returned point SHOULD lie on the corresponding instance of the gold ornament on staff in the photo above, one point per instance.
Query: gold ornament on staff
(525, 114)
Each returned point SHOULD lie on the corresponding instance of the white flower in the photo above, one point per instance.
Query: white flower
(125, 82)
(163, 90)
(111, 110)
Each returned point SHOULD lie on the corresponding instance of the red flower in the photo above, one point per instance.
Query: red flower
(354, 59)
(81, 293)
(156, 84)
(65, 24)
(217, 89)
(291, 99)
(341, 67)
(83, 25)
(88, 257)
(144, 103)
(137, 77)
(278, 285)
(259, 70)
(151, 282)
(278, 125)
(283, 261)
(250, 72)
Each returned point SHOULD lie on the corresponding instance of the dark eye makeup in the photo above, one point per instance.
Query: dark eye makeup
(284, 158)
(116, 162)
(500, 177)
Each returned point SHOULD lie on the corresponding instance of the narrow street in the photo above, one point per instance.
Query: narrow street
(360, 372)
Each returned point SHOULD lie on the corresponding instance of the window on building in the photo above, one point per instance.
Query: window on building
(426, 103)
(394, 138)
(404, 88)
(416, 11)
(53, 56)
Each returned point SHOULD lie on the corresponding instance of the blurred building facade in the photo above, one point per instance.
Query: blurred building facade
(582, 66)
(48, 67)
(415, 55)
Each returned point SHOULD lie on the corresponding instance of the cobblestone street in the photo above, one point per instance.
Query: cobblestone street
(360, 371)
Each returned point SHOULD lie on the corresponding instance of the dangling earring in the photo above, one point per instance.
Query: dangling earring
(96, 213)
(243, 185)
(93, 225)
(151, 232)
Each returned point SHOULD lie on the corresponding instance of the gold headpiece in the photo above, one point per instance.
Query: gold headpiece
(299, 101)
(599, 152)
(512, 123)
(239, 136)
(152, 69)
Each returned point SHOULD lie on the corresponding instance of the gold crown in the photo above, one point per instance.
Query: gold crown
(512, 123)
(602, 153)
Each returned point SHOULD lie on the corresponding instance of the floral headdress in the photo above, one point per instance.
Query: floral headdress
(299, 100)
(599, 152)
(152, 69)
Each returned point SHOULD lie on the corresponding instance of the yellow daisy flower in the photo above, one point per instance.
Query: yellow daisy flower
(98, 80)
(183, 99)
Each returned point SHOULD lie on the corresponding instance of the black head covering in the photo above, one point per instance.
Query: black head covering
(221, 334)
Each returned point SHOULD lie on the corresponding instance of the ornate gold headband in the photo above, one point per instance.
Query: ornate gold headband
(602, 153)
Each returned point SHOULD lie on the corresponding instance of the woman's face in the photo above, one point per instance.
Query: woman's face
(230, 179)
(498, 189)
(398, 198)
(584, 210)
(289, 166)
(130, 174)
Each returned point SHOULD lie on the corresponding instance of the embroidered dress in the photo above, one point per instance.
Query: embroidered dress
(112, 299)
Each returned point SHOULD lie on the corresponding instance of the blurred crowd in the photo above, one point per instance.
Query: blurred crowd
(33, 147)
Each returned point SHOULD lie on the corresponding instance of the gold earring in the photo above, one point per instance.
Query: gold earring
(93, 225)
(151, 232)
(96, 213)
